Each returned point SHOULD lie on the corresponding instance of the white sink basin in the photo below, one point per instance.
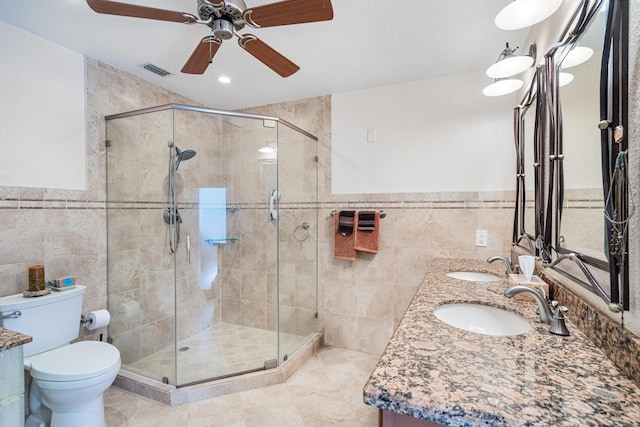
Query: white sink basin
(482, 319)
(472, 276)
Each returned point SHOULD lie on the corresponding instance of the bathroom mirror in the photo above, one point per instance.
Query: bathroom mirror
(589, 207)
(569, 156)
(581, 228)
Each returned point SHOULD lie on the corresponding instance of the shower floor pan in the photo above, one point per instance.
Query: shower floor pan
(218, 352)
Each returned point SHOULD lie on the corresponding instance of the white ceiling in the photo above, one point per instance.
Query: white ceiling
(369, 43)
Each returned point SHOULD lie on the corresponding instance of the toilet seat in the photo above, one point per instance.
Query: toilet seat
(79, 361)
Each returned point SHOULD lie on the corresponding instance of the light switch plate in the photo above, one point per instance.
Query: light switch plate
(481, 237)
(372, 135)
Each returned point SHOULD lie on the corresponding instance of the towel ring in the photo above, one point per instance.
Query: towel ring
(304, 226)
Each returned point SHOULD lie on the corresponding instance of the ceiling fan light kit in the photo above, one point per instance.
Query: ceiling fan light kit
(225, 19)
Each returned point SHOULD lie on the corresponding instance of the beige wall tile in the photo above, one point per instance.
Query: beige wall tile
(359, 302)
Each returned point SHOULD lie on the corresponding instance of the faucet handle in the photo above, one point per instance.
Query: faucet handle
(543, 293)
(559, 310)
(558, 326)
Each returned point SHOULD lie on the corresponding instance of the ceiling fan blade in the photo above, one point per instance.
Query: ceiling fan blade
(202, 55)
(267, 55)
(289, 12)
(125, 9)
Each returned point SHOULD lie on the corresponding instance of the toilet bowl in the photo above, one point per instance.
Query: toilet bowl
(70, 381)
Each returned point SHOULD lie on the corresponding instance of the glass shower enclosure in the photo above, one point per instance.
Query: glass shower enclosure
(212, 223)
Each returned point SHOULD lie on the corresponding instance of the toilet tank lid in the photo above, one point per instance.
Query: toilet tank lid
(82, 360)
(20, 302)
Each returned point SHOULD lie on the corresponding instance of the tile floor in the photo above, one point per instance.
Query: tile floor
(220, 350)
(325, 391)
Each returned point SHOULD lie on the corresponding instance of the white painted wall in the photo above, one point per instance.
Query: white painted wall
(42, 113)
(437, 135)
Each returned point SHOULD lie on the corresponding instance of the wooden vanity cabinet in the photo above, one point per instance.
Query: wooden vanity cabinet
(392, 419)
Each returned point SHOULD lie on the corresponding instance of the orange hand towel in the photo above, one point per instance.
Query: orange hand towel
(344, 235)
(367, 237)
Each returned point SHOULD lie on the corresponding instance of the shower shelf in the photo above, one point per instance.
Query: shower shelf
(217, 208)
(215, 241)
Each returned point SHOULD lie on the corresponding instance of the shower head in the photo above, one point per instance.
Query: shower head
(183, 155)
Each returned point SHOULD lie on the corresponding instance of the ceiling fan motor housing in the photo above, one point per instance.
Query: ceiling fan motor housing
(222, 29)
(227, 15)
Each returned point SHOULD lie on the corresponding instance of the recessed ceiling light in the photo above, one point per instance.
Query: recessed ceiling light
(224, 79)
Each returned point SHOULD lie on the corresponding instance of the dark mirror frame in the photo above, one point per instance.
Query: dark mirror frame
(548, 158)
(521, 114)
(614, 142)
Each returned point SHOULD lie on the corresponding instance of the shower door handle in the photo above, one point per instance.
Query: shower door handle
(188, 249)
(273, 204)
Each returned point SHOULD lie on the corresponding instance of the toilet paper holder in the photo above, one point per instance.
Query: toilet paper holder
(95, 319)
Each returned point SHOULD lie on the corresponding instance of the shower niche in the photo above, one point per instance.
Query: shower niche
(207, 274)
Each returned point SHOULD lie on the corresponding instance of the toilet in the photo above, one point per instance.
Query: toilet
(68, 380)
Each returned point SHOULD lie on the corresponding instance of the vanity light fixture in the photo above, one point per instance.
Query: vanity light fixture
(502, 87)
(577, 56)
(267, 149)
(564, 79)
(509, 64)
(524, 13)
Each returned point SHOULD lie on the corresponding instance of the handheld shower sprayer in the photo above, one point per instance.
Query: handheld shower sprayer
(171, 215)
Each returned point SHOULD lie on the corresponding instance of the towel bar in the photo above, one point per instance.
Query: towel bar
(382, 213)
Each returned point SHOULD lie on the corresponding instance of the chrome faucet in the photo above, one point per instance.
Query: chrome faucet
(510, 267)
(553, 315)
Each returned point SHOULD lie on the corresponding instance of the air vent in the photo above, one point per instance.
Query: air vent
(156, 69)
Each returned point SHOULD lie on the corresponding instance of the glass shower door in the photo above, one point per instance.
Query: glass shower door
(226, 271)
(298, 240)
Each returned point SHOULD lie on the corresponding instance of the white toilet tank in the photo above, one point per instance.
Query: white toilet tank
(51, 320)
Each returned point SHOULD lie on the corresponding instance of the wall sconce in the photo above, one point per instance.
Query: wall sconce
(267, 149)
(564, 79)
(577, 56)
(524, 13)
(502, 87)
(509, 64)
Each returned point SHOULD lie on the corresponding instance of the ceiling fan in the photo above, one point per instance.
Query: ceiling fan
(226, 18)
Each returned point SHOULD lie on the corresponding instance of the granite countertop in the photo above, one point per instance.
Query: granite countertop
(435, 372)
(10, 339)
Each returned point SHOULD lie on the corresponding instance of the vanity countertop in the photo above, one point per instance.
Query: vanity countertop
(10, 339)
(433, 371)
